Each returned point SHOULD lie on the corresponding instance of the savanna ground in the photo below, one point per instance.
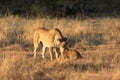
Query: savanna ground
(97, 39)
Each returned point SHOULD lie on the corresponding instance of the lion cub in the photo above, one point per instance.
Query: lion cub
(71, 54)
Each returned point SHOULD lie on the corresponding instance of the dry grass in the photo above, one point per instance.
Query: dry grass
(98, 40)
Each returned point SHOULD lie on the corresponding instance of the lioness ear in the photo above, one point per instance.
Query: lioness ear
(60, 40)
(64, 39)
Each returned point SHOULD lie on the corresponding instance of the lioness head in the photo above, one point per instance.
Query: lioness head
(63, 42)
(62, 46)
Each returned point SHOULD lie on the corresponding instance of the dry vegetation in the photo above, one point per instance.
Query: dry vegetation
(98, 40)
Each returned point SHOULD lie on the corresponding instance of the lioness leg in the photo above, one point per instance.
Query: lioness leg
(36, 42)
(35, 48)
(43, 52)
(56, 53)
(51, 51)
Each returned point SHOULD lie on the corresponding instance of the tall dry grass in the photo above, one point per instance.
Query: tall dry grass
(14, 29)
(98, 40)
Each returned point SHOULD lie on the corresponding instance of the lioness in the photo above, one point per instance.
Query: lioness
(71, 54)
(51, 38)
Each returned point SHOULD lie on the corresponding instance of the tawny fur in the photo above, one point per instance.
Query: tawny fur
(51, 38)
(71, 54)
